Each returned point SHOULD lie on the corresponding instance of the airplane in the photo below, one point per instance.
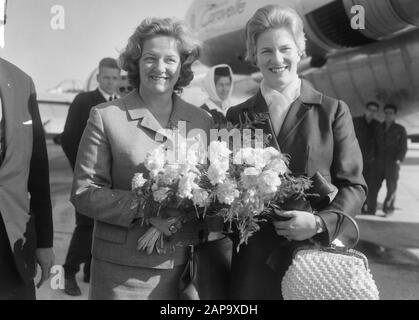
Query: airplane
(378, 62)
(53, 108)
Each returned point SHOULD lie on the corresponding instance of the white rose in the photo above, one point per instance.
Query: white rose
(218, 151)
(200, 197)
(186, 185)
(269, 182)
(270, 153)
(252, 171)
(170, 174)
(277, 165)
(244, 156)
(259, 158)
(155, 159)
(227, 192)
(217, 172)
(138, 181)
(190, 163)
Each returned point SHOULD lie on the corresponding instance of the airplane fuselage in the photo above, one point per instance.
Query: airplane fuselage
(378, 63)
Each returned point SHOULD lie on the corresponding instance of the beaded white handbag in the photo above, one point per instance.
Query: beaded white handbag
(331, 273)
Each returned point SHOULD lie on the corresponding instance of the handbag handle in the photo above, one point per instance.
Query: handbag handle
(325, 188)
(355, 224)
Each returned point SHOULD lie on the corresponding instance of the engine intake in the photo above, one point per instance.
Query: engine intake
(384, 19)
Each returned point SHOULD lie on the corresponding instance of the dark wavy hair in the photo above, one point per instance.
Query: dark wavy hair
(189, 48)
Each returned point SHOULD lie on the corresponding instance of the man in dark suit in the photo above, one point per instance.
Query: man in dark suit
(391, 148)
(26, 228)
(79, 250)
(366, 129)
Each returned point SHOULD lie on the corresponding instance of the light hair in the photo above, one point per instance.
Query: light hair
(273, 17)
(110, 63)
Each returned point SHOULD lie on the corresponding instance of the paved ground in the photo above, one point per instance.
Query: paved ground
(391, 244)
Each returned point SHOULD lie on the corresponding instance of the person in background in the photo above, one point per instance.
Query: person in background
(218, 83)
(366, 129)
(79, 250)
(390, 149)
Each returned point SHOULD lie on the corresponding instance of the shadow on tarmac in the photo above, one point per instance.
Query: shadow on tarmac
(411, 161)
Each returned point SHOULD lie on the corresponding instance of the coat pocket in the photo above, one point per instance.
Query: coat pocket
(109, 232)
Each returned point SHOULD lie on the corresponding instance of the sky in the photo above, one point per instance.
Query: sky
(93, 29)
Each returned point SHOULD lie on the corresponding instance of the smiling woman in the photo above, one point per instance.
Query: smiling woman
(187, 49)
(118, 136)
(159, 66)
(317, 133)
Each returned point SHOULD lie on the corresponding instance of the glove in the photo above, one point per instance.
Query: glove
(150, 240)
(154, 236)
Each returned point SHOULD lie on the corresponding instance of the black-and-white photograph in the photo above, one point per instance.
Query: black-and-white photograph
(216, 150)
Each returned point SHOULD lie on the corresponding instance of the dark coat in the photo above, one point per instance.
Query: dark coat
(391, 143)
(78, 114)
(76, 121)
(366, 135)
(318, 135)
(218, 117)
(27, 220)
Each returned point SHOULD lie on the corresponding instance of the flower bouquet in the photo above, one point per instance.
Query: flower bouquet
(185, 190)
(261, 177)
(263, 183)
(167, 191)
(242, 186)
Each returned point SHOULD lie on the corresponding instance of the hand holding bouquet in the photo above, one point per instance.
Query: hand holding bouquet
(166, 193)
(243, 187)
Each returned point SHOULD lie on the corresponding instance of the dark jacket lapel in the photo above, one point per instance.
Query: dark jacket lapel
(260, 107)
(98, 98)
(295, 115)
(298, 111)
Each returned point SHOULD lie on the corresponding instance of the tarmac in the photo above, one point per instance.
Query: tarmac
(390, 243)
